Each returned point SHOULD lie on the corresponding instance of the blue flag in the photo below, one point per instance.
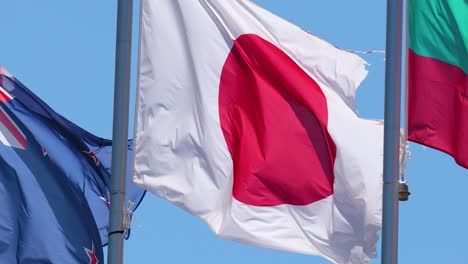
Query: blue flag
(54, 183)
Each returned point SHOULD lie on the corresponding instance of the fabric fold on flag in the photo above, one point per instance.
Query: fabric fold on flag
(55, 183)
(250, 123)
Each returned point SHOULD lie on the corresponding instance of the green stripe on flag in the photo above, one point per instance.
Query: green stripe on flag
(439, 29)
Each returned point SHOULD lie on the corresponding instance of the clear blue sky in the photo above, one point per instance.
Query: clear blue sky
(64, 52)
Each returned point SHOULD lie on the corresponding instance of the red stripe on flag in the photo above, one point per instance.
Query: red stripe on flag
(13, 128)
(438, 106)
(4, 95)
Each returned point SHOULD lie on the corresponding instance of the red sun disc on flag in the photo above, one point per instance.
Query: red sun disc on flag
(274, 118)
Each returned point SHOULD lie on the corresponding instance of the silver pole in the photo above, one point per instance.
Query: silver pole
(120, 131)
(392, 131)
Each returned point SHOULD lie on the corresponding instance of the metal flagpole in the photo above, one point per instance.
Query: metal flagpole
(392, 131)
(120, 131)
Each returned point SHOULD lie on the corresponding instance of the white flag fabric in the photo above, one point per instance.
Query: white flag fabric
(249, 122)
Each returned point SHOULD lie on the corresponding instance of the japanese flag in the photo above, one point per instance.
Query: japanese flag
(249, 122)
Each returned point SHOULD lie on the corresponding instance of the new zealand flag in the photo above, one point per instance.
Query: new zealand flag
(54, 183)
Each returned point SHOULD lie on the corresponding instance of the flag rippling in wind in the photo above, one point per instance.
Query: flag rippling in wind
(54, 183)
(249, 122)
(438, 76)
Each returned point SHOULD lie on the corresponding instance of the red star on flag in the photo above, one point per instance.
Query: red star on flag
(105, 200)
(93, 156)
(44, 152)
(92, 255)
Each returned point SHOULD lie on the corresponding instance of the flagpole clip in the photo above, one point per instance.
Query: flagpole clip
(403, 191)
(128, 217)
(403, 188)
